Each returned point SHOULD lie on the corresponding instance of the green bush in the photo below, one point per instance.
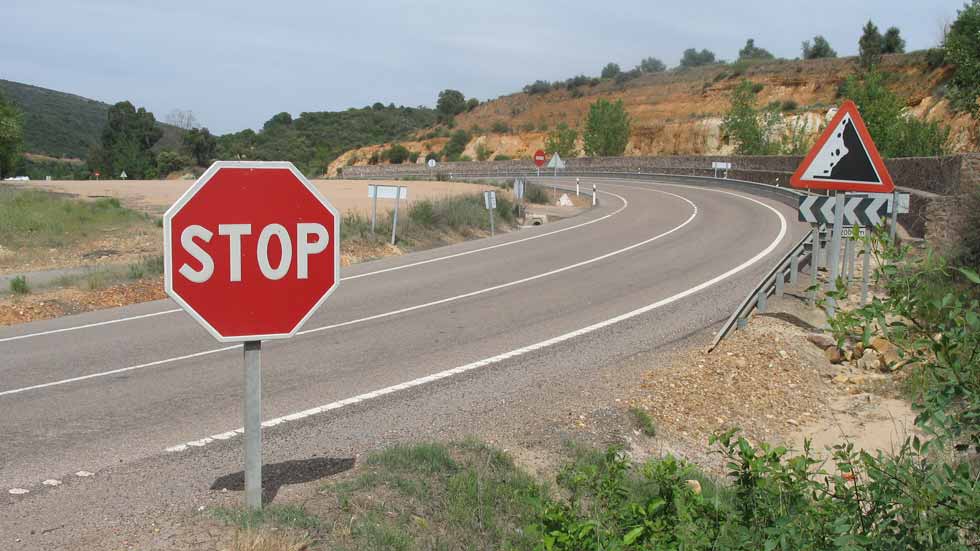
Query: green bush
(483, 152)
(776, 501)
(397, 154)
(502, 158)
(455, 146)
(607, 129)
(500, 127)
(18, 285)
(895, 133)
(534, 193)
(789, 105)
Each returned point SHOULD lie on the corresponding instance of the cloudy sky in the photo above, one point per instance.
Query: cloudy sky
(236, 63)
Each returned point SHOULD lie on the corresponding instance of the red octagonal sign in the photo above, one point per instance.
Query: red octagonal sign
(251, 250)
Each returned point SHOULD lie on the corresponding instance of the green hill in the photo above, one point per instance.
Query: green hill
(58, 124)
(313, 140)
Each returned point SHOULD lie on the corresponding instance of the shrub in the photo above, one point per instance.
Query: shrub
(870, 46)
(694, 58)
(611, 70)
(528, 127)
(577, 93)
(18, 285)
(397, 154)
(500, 127)
(789, 105)
(820, 48)
(502, 158)
(651, 65)
(963, 53)
(483, 152)
(935, 58)
(533, 193)
(562, 141)
(538, 87)
(627, 76)
(455, 146)
(895, 134)
(607, 128)
(751, 51)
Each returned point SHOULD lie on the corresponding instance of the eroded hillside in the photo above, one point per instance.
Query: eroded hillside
(680, 112)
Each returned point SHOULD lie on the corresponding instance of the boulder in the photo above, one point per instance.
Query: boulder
(869, 360)
(822, 340)
(694, 485)
(833, 354)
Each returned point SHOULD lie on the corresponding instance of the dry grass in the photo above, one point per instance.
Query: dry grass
(267, 540)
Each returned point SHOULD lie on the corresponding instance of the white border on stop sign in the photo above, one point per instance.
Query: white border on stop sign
(167, 245)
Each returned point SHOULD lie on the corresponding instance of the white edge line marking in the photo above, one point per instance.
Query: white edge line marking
(358, 276)
(120, 370)
(523, 350)
(376, 316)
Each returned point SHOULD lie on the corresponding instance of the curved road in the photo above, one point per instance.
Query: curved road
(143, 391)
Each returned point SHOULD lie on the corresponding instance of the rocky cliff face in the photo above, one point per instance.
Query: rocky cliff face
(680, 113)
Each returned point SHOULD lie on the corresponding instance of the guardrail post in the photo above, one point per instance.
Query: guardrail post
(780, 280)
(760, 301)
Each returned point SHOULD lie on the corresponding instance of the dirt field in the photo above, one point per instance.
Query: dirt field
(155, 196)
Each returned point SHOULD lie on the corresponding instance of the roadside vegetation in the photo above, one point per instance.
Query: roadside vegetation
(925, 494)
(37, 219)
(428, 222)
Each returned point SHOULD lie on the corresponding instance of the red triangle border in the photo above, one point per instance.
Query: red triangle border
(846, 108)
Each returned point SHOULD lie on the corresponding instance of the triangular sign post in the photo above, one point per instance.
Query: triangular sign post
(844, 158)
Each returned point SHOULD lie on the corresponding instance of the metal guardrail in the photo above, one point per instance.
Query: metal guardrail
(773, 283)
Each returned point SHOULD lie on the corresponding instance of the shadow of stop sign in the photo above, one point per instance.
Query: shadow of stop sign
(251, 250)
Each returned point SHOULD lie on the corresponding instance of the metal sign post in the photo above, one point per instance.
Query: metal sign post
(490, 200)
(834, 258)
(253, 424)
(394, 220)
(374, 206)
(866, 276)
(893, 229)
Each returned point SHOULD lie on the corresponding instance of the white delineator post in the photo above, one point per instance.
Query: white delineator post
(576, 187)
(595, 196)
(253, 425)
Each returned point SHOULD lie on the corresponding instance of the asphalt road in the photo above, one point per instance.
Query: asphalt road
(150, 404)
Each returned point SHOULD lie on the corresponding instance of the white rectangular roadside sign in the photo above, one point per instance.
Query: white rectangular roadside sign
(387, 192)
(376, 192)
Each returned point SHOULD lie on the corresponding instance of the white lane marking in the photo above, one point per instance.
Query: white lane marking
(19, 491)
(84, 474)
(382, 315)
(120, 370)
(51, 482)
(88, 325)
(523, 350)
(358, 276)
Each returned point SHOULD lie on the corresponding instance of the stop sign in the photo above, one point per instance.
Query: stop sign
(251, 250)
(539, 157)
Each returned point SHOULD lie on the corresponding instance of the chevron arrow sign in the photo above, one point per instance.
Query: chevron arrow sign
(858, 211)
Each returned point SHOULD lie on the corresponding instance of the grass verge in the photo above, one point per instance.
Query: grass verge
(429, 222)
(31, 219)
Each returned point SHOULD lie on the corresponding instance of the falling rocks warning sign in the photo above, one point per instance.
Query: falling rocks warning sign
(844, 158)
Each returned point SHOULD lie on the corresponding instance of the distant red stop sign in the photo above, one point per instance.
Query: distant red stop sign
(251, 250)
(539, 157)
